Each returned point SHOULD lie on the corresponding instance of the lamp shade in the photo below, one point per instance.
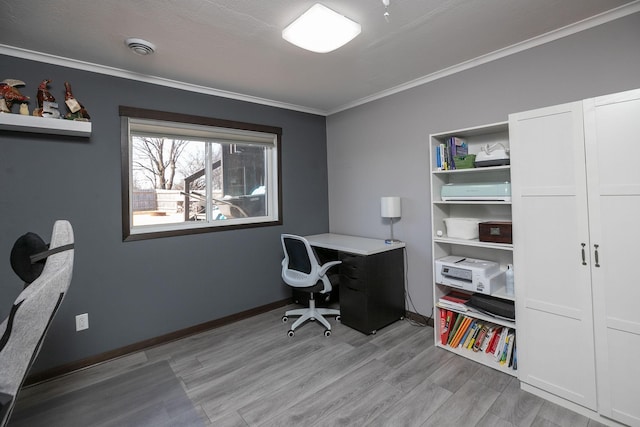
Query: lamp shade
(390, 207)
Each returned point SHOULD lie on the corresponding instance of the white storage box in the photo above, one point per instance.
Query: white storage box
(462, 228)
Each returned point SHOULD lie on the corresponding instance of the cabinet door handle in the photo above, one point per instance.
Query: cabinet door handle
(596, 255)
(584, 262)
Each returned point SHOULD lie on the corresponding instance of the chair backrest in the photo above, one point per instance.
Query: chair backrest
(296, 252)
(24, 330)
(300, 267)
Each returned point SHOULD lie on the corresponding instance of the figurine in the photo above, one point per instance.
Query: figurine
(24, 109)
(47, 106)
(76, 109)
(9, 93)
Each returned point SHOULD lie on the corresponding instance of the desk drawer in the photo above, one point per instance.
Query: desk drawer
(357, 284)
(352, 266)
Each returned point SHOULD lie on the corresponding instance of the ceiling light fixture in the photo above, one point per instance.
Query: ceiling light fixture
(321, 30)
(140, 46)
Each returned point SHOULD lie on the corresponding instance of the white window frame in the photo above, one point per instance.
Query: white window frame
(148, 122)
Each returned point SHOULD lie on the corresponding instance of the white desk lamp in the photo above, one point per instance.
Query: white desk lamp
(390, 207)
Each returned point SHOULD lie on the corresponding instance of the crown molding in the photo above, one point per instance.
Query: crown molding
(568, 30)
(175, 84)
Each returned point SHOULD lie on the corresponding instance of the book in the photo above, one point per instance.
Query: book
(456, 297)
(500, 344)
(445, 322)
(467, 335)
(477, 345)
(454, 329)
(443, 157)
(461, 147)
(463, 327)
(512, 343)
(451, 153)
(455, 300)
(491, 348)
(508, 343)
(474, 336)
(488, 337)
(454, 335)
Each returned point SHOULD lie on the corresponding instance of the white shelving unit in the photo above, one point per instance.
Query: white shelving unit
(23, 123)
(483, 210)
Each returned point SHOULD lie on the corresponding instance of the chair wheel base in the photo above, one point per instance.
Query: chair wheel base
(290, 333)
(285, 319)
(327, 332)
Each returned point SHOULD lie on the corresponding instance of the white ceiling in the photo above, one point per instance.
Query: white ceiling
(235, 48)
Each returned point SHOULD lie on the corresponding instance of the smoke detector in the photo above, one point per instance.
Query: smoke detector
(140, 46)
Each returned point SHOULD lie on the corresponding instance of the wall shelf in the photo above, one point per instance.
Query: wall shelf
(21, 123)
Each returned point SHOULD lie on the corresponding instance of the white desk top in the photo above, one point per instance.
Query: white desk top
(352, 244)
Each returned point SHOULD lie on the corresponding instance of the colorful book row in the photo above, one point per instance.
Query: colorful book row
(457, 330)
(446, 152)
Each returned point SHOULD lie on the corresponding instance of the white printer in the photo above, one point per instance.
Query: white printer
(475, 275)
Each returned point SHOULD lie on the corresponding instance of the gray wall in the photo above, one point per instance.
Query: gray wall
(381, 148)
(139, 290)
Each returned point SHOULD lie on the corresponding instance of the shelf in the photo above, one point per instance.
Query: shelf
(23, 123)
(475, 243)
(470, 202)
(499, 293)
(480, 357)
(502, 293)
(477, 131)
(472, 170)
(481, 316)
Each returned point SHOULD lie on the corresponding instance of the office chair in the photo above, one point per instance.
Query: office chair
(46, 271)
(301, 270)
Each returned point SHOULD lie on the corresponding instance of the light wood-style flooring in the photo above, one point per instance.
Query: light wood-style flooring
(251, 374)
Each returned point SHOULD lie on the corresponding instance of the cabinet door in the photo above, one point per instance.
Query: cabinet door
(552, 282)
(612, 134)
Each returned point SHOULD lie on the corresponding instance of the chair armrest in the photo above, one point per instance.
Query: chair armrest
(6, 404)
(327, 266)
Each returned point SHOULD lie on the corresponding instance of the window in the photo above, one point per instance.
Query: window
(185, 174)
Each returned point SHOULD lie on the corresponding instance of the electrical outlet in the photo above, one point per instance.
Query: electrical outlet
(82, 322)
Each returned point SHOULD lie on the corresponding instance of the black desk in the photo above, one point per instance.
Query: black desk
(371, 279)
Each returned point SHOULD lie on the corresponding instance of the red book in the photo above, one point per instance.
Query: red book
(491, 348)
(444, 333)
(457, 297)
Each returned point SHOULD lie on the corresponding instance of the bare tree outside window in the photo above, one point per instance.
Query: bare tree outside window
(156, 159)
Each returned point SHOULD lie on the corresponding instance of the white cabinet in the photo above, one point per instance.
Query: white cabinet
(553, 293)
(612, 136)
(486, 210)
(576, 204)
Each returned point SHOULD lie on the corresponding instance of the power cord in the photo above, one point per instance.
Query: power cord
(408, 299)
